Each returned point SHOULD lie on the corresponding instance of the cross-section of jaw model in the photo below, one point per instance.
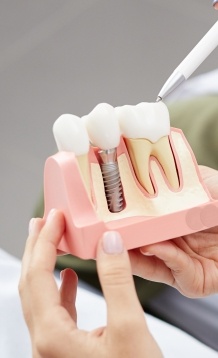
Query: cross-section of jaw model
(104, 133)
(125, 169)
(146, 129)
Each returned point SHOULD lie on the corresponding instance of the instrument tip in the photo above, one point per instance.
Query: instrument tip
(158, 99)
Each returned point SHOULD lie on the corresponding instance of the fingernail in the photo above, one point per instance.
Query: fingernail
(112, 243)
(31, 225)
(146, 253)
(51, 215)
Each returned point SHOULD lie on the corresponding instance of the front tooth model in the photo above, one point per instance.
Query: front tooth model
(71, 136)
(146, 128)
(104, 133)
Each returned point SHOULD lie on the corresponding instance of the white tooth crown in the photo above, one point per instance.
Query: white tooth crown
(145, 120)
(103, 127)
(146, 127)
(71, 135)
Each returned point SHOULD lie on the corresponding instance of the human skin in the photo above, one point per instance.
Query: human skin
(215, 4)
(50, 313)
(187, 263)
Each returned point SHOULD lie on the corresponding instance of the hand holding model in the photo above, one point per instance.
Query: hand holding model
(51, 315)
(188, 263)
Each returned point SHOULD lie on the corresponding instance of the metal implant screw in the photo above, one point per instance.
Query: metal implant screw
(111, 178)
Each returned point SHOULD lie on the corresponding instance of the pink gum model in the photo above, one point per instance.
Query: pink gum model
(64, 189)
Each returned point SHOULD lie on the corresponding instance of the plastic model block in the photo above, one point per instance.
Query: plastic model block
(146, 218)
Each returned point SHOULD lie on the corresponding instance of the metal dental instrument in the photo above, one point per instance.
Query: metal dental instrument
(191, 62)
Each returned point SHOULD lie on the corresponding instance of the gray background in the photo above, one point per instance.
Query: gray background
(67, 56)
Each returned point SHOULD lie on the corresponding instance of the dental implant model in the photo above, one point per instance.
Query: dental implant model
(165, 195)
(71, 136)
(145, 128)
(104, 133)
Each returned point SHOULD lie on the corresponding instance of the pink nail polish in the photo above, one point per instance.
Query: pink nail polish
(112, 243)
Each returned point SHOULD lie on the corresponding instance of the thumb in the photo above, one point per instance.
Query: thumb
(117, 283)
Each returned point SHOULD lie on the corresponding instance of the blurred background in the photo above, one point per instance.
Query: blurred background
(66, 57)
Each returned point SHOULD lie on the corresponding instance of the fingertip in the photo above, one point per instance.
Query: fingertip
(215, 4)
(52, 231)
(144, 251)
(111, 254)
(54, 214)
(112, 243)
(156, 248)
(115, 275)
(31, 225)
(55, 222)
(68, 290)
(70, 274)
(35, 225)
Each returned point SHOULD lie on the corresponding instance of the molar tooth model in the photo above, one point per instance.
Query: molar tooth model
(146, 129)
(144, 183)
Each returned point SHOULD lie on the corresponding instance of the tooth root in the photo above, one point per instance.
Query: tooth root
(83, 163)
(163, 152)
(139, 152)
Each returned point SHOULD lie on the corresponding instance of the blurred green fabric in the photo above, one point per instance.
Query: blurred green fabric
(198, 118)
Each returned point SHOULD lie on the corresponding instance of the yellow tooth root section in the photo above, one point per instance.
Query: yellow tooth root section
(163, 152)
(83, 163)
(140, 151)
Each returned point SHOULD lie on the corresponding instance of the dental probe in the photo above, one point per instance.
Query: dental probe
(191, 62)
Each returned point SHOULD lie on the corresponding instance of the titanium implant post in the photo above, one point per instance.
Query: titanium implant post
(111, 178)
